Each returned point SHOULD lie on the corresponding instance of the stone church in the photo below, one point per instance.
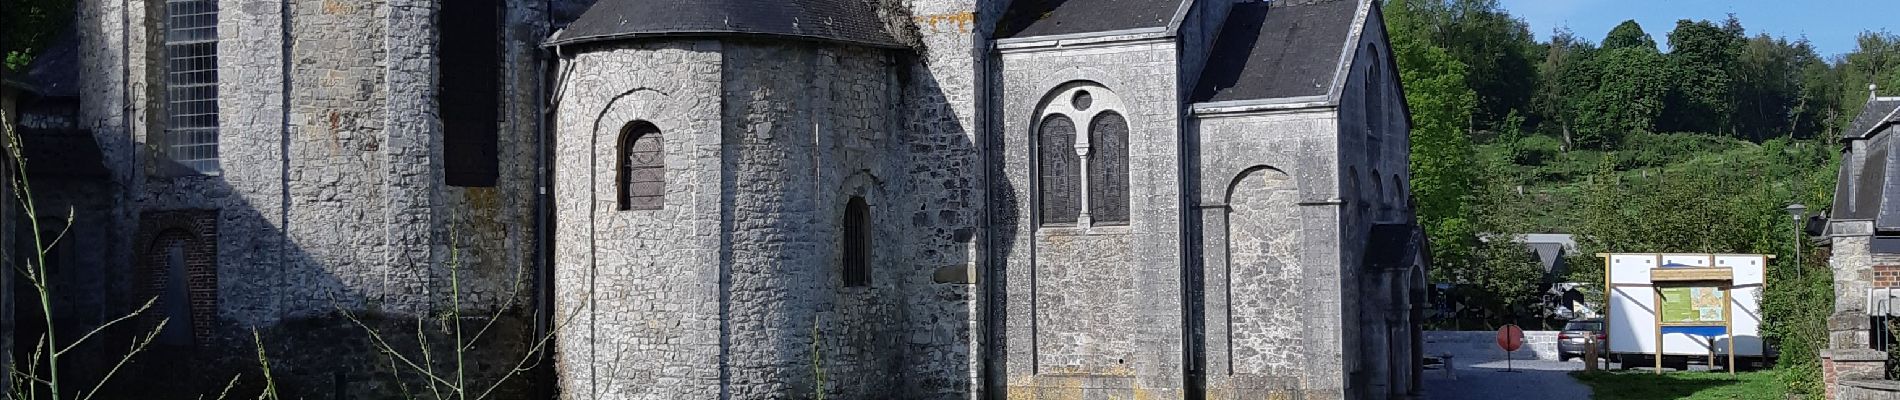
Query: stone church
(739, 199)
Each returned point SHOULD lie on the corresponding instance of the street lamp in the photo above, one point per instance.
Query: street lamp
(1799, 213)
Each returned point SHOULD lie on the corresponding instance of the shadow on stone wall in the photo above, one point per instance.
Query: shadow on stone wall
(312, 355)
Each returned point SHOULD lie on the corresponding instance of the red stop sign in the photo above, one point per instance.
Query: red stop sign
(1510, 338)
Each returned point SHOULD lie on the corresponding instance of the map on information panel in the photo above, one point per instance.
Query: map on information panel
(1693, 305)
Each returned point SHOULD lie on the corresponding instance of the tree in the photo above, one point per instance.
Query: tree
(1496, 49)
(1630, 85)
(1771, 94)
(1704, 57)
(26, 26)
(1442, 154)
(1562, 76)
(1627, 35)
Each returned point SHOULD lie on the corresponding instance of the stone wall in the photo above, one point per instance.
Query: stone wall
(1271, 243)
(1481, 346)
(765, 142)
(1112, 328)
(1853, 263)
(1868, 390)
(330, 195)
(644, 286)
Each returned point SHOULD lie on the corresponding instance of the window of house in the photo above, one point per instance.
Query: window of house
(857, 242)
(1083, 177)
(1108, 174)
(470, 104)
(1060, 173)
(176, 298)
(640, 175)
(191, 84)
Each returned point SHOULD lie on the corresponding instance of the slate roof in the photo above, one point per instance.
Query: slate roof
(1878, 111)
(1278, 49)
(844, 21)
(55, 71)
(68, 154)
(1029, 18)
(1866, 188)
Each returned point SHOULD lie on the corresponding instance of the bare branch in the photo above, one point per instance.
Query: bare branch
(227, 387)
(88, 335)
(137, 346)
(532, 355)
(377, 339)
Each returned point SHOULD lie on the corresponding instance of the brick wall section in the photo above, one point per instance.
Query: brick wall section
(1840, 365)
(198, 230)
(1887, 276)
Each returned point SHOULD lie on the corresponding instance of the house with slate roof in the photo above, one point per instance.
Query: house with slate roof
(1863, 233)
(739, 199)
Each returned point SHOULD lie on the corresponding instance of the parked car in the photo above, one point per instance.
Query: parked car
(1577, 334)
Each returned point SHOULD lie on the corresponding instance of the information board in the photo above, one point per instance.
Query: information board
(1693, 305)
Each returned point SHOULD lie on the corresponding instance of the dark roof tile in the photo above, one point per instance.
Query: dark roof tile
(845, 21)
(1276, 50)
(1871, 116)
(1028, 18)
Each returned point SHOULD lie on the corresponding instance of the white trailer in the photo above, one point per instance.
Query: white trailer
(1709, 308)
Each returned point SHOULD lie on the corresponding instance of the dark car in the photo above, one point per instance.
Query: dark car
(1576, 335)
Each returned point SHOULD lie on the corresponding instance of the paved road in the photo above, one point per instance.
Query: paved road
(1488, 380)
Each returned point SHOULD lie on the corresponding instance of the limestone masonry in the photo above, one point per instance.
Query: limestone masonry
(739, 199)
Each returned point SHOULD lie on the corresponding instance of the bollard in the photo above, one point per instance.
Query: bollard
(1590, 353)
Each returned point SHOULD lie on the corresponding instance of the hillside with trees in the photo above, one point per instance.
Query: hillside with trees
(1692, 138)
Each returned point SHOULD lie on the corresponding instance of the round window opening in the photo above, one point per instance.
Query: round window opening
(1082, 100)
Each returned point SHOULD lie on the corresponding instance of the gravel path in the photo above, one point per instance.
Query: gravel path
(1488, 380)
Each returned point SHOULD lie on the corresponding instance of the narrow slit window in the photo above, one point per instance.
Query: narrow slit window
(1108, 169)
(470, 102)
(191, 84)
(857, 242)
(641, 167)
(1061, 171)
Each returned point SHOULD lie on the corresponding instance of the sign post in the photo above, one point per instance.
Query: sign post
(1510, 338)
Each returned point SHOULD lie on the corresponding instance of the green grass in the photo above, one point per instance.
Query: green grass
(1646, 385)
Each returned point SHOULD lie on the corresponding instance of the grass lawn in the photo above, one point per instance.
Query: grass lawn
(1647, 385)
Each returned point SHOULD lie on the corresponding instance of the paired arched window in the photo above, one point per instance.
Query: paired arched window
(857, 242)
(640, 173)
(1082, 157)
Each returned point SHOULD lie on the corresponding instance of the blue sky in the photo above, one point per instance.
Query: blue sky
(1829, 24)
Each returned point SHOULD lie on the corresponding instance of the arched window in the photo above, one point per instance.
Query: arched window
(1375, 93)
(640, 175)
(1354, 192)
(1060, 169)
(857, 242)
(1083, 178)
(1108, 173)
(1378, 191)
(1398, 192)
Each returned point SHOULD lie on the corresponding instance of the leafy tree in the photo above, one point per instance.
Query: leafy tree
(26, 26)
(1496, 48)
(1771, 94)
(1704, 57)
(1629, 34)
(1442, 153)
(1563, 75)
(1630, 84)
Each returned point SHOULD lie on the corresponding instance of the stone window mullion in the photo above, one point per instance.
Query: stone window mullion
(1082, 134)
